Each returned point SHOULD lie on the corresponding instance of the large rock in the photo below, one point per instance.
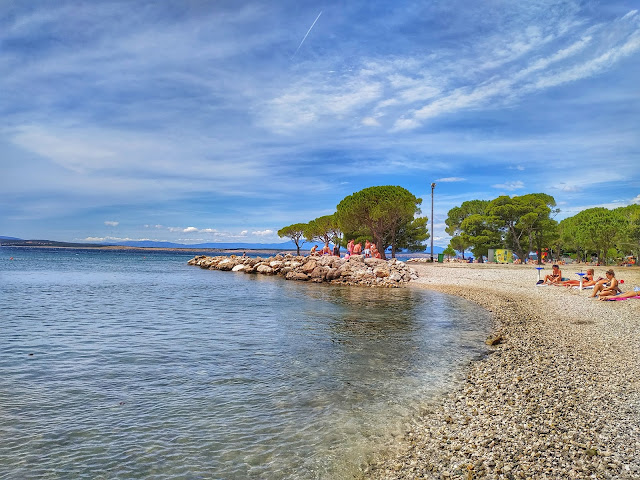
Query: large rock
(264, 269)
(239, 268)
(226, 264)
(318, 272)
(309, 266)
(381, 272)
(297, 276)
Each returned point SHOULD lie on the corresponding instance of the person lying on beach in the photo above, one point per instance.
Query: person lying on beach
(587, 280)
(635, 293)
(607, 289)
(554, 277)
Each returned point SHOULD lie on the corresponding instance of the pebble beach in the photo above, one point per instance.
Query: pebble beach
(557, 396)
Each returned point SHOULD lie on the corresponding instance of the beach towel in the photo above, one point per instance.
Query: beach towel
(610, 299)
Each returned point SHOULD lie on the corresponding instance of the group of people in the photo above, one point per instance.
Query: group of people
(326, 250)
(607, 288)
(369, 250)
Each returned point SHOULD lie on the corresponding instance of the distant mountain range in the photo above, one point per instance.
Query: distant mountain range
(19, 242)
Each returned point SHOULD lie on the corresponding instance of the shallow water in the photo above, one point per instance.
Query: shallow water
(135, 365)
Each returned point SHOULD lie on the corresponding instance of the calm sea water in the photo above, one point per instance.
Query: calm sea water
(120, 364)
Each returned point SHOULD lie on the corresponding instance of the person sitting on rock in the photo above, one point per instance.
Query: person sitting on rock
(313, 251)
(326, 250)
(554, 277)
(357, 249)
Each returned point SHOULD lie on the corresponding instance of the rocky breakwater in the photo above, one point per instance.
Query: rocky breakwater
(357, 270)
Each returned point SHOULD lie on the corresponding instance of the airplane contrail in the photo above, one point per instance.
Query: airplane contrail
(305, 37)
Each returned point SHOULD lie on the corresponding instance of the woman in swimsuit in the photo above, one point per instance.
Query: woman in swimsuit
(607, 289)
(587, 280)
(555, 276)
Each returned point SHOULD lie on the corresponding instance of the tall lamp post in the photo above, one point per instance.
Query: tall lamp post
(433, 185)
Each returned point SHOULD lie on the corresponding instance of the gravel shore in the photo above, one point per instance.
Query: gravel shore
(557, 397)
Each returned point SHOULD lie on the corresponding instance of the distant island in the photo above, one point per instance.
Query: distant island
(19, 242)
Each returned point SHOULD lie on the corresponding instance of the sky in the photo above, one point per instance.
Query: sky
(197, 121)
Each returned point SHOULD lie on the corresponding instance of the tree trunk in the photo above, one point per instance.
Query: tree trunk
(380, 246)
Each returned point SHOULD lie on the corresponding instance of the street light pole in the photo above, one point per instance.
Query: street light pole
(433, 185)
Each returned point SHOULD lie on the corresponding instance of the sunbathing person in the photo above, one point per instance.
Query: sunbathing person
(587, 280)
(635, 293)
(607, 289)
(554, 277)
(326, 250)
(313, 251)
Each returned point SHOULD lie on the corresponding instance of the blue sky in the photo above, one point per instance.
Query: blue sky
(222, 121)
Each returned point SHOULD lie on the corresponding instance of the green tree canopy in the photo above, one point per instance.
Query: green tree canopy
(524, 220)
(323, 229)
(411, 235)
(380, 210)
(295, 232)
(449, 252)
(596, 229)
(454, 220)
(481, 233)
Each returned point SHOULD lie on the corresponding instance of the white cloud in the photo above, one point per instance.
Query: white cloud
(111, 223)
(370, 122)
(509, 185)
(636, 200)
(190, 230)
(262, 233)
(451, 179)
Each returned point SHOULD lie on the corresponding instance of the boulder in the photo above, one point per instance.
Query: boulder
(239, 268)
(309, 266)
(264, 269)
(297, 276)
(333, 274)
(318, 272)
(226, 264)
(381, 272)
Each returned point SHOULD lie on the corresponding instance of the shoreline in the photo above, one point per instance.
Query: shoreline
(557, 397)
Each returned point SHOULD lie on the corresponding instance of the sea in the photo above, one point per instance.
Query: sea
(131, 364)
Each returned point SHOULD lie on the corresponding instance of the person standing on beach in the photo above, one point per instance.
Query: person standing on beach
(350, 247)
(367, 248)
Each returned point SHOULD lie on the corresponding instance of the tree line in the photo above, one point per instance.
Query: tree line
(385, 214)
(526, 223)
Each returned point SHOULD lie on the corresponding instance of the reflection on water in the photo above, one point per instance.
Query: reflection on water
(145, 367)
